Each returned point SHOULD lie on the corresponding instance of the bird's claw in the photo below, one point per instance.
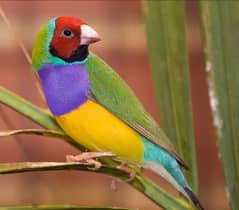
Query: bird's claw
(86, 158)
(124, 167)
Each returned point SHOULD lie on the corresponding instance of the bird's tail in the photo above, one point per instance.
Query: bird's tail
(186, 191)
(193, 198)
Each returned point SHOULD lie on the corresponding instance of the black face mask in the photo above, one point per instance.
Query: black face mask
(79, 54)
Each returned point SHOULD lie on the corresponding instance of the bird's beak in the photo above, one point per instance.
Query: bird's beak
(88, 35)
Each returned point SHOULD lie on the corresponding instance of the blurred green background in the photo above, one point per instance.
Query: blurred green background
(123, 46)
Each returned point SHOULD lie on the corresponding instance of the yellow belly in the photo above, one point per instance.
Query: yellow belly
(98, 130)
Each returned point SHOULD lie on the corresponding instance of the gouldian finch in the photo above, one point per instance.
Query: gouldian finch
(94, 106)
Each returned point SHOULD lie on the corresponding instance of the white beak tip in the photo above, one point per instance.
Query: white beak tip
(88, 35)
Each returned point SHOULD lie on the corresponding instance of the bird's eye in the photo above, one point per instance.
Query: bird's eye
(67, 33)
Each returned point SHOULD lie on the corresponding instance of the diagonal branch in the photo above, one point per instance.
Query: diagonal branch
(40, 132)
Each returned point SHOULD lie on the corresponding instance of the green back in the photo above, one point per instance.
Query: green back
(113, 93)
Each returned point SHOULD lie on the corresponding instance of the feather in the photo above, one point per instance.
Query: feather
(160, 170)
(109, 90)
(193, 198)
(186, 191)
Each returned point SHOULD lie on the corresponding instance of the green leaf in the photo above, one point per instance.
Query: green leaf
(27, 109)
(141, 183)
(166, 37)
(220, 30)
(58, 207)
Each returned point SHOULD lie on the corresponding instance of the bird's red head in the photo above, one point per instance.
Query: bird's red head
(71, 39)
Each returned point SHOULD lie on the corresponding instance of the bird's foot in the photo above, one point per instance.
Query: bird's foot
(86, 158)
(124, 167)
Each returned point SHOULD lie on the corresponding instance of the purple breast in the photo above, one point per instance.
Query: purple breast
(65, 87)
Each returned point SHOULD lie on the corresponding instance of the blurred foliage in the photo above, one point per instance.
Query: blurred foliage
(165, 29)
(220, 31)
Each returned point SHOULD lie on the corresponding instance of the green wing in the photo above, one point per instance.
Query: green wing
(109, 89)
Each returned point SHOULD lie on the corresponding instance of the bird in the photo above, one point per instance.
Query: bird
(95, 106)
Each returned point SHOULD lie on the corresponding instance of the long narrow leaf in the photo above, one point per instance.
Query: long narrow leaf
(140, 182)
(26, 108)
(166, 37)
(220, 26)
